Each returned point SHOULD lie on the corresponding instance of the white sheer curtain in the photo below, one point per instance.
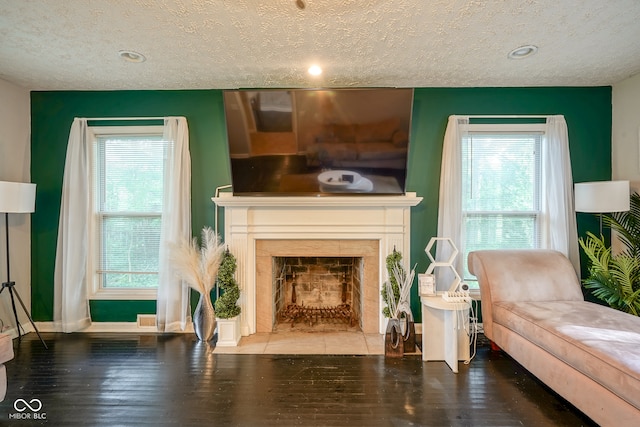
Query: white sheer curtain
(557, 179)
(560, 230)
(450, 205)
(70, 303)
(172, 308)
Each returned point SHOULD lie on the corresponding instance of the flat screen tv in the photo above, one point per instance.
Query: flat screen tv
(324, 142)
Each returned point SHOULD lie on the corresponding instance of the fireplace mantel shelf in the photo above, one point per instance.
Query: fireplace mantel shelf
(229, 200)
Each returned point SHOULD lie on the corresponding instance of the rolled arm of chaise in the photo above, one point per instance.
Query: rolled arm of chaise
(522, 275)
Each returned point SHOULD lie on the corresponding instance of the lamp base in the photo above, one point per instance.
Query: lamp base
(12, 292)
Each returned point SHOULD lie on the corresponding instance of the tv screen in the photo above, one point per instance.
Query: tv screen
(318, 142)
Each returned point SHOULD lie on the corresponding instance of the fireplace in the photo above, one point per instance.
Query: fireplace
(317, 293)
(259, 230)
(367, 251)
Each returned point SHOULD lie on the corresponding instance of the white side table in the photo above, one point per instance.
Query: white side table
(444, 336)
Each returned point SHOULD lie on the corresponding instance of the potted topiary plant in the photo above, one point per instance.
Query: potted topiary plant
(400, 334)
(226, 307)
(615, 278)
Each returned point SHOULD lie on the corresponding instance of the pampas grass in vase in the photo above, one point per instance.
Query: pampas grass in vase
(198, 267)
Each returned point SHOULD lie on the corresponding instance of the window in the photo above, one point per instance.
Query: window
(516, 189)
(128, 186)
(501, 189)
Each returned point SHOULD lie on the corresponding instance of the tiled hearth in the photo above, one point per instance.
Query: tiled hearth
(351, 343)
(260, 228)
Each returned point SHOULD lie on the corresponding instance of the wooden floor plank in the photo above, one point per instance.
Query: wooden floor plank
(172, 380)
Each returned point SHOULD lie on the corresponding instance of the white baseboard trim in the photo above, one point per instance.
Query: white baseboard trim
(122, 327)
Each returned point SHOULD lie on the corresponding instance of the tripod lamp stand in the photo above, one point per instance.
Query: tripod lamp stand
(16, 197)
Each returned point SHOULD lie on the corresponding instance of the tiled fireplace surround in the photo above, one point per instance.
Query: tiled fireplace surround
(259, 228)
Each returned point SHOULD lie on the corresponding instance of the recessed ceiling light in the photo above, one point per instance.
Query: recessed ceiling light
(131, 56)
(523, 52)
(315, 70)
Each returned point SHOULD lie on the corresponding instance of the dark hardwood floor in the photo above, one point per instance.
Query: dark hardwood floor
(172, 380)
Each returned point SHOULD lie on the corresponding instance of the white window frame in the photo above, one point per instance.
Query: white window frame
(540, 218)
(95, 289)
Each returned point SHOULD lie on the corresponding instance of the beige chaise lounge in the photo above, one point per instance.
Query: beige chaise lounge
(533, 309)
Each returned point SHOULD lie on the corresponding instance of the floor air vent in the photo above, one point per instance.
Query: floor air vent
(146, 320)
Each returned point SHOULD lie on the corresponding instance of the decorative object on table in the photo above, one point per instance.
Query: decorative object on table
(444, 264)
(400, 336)
(226, 307)
(602, 197)
(16, 197)
(426, 284)
(198, 267)
(615, 278)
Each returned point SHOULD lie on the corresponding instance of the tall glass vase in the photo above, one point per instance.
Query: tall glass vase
(204, 318)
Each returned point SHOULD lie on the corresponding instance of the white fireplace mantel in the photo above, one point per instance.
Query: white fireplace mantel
(229, 200)
(248, 219)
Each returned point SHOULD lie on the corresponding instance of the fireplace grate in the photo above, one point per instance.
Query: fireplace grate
(311, 315)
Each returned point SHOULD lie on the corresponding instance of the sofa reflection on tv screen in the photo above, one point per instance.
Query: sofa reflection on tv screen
(381, 144)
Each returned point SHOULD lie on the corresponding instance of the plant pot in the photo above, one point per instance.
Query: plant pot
(408, 329)
(393, 340)
(228, 332)
(204, 318)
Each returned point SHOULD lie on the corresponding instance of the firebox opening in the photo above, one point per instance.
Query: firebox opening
(317, 293)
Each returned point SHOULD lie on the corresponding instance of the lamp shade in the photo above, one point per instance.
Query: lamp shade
(602, 196)
(17, 197)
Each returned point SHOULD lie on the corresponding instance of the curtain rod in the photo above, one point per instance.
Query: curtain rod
(103, 119)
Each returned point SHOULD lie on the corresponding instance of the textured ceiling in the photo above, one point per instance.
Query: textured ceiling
(202, 44)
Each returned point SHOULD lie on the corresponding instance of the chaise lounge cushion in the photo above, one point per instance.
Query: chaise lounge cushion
(598, 341)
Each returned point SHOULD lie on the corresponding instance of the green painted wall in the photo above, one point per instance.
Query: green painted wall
(51, 116)
(587, 111)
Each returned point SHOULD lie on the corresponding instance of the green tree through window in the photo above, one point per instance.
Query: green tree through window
(129, 187)
(500, 191)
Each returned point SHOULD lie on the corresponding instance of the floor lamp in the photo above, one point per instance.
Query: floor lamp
(16, 197)
(602, 197)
